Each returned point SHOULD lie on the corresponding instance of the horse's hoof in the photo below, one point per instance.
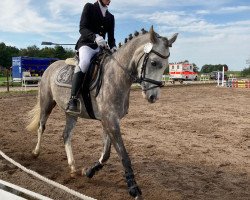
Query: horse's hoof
(88, 172)
(135, 192)
(139, 197)
(83, 172)
(72, 174)
(34, 154)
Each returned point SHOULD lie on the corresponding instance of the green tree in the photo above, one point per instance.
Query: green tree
(204, 69)
(69, 53)
(210, 68)
(166, 72)
(47, 52)
(246, 71)
(60, 52)
(6, 54)
(31, 51)
(196, 68)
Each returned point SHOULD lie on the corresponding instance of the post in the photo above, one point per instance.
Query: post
(8, 85)
(222, 78)
(218, 78)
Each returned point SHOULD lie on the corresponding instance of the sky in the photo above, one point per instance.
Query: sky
(210, 32)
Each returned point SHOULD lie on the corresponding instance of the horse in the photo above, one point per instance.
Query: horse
(143, 58)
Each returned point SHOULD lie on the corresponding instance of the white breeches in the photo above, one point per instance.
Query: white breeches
(85, 55)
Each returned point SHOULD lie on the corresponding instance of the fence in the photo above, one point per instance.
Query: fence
(30, 81)
(238, 83)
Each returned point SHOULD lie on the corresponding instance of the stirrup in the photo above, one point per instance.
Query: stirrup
(73, 112)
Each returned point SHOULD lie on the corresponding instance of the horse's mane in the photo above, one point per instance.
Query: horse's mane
(131, 36)
(136, 34)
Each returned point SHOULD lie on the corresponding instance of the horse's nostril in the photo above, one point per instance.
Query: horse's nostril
(152, 97)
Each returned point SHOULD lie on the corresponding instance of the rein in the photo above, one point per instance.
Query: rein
(134, 78)
(142, 77)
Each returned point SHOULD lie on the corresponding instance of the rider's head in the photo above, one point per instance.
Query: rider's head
(105, 2)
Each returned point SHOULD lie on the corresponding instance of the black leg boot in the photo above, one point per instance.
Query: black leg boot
(77, 82)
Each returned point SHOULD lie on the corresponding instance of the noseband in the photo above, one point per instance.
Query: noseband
(142, 77)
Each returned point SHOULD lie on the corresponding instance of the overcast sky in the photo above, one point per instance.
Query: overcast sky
(210, 31)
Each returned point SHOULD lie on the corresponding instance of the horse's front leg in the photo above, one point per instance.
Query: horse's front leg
(67, 133)
(104, 157)
(112, 126)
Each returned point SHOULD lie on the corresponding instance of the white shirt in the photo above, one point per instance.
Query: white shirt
(103, 9)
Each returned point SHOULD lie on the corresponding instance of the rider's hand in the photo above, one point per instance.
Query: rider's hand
(100, 41)
(114, 49)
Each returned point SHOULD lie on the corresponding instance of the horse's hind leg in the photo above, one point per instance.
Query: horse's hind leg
(104, 157)
(67, 133)
(46, 104)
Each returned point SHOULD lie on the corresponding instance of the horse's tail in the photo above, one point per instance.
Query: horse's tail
(34, 116)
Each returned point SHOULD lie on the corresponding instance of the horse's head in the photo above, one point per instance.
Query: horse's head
(153, 63)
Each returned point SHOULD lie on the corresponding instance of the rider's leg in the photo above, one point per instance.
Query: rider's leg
(77, 81)
(85, 55)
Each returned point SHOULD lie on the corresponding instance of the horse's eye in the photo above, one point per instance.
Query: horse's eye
(153, 63)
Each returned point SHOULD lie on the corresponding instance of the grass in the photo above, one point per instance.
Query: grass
(3, 78)
(3, 82)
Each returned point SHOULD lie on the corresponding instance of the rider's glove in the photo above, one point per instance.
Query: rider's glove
(114, 49)
(100, 41)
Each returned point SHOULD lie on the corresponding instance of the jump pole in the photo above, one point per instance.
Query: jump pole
(222, 78)
(218, 78)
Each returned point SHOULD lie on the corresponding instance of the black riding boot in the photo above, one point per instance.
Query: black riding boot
(77, 82)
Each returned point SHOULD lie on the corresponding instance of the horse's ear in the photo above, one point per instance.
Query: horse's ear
(172, 39)
(153, 37)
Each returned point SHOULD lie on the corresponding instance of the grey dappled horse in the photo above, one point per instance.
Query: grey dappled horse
(143, 58)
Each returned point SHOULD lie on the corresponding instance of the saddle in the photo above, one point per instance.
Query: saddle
(93, 79)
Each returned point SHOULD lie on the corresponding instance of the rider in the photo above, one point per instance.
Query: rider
(95, 22)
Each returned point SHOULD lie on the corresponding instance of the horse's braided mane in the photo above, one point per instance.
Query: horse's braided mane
(131, 36)
(136, 33)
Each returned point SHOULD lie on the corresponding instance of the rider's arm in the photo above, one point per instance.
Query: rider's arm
(85, 23)
(111, 38)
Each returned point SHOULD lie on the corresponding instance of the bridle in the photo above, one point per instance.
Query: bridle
(142, 77)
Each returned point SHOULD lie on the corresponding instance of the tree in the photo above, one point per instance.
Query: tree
(31, 51)
(62, 53)
(59, 52)
(246, 71)
(47, 52)
(210, 68)
(166, 72)
(6, 54)
(69, 53)
(196, 69)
